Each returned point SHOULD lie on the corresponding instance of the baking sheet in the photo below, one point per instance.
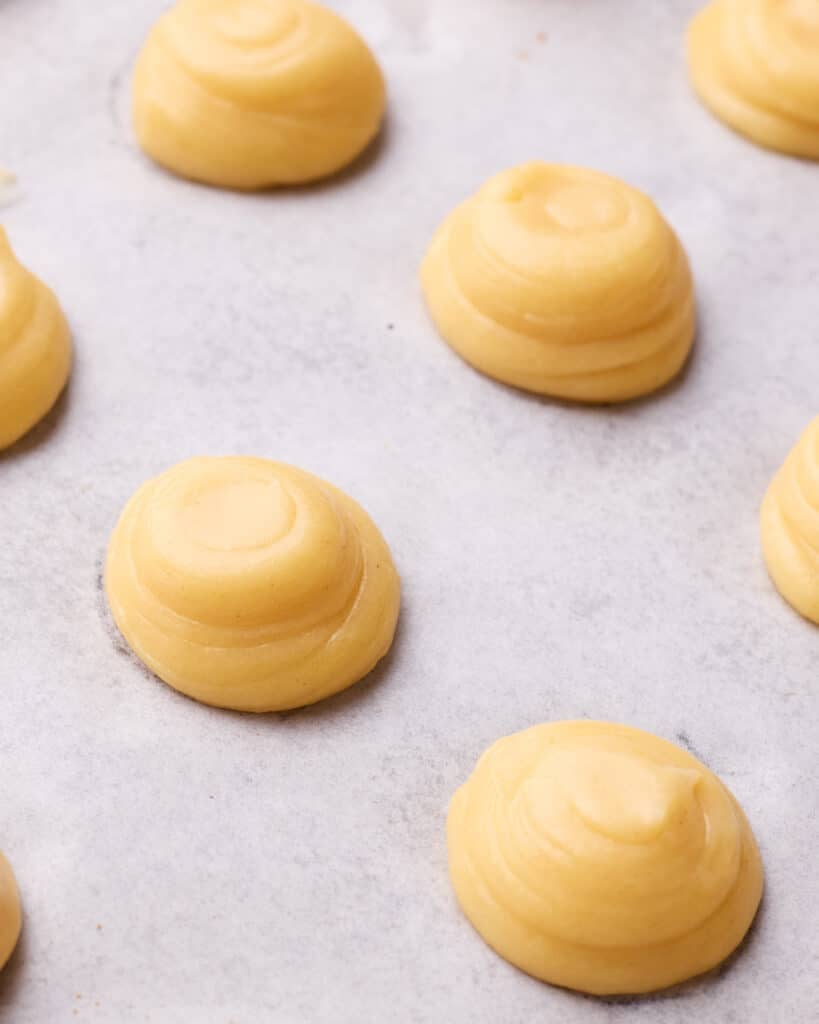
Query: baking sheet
(181, 864)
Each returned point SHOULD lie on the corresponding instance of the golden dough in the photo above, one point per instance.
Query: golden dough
(35, 348)
(565, 282)
(252, 93)
(250, 584)
(602, 858)
(755, 64)
(790, 526)
(10, 916)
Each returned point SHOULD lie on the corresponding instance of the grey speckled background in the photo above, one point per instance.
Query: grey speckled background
(179, 864)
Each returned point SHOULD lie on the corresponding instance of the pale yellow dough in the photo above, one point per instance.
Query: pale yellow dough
(565, 282)
(35, 348)
(790, 526)
(248, 94)
(250, 584)
(602, 858)
(755, 64)
(10, 916)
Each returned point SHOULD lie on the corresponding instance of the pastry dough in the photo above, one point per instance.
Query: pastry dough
(755, 64)
(10, 917)
(252, 93)
(250, 584)
(602, 858)
(562, 281)
(35, 348)
(790, 526)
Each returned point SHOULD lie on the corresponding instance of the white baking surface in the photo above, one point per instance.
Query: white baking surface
(182, 864)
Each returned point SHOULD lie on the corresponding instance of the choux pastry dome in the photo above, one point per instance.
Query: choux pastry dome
(790, 526)
(248, 94)
(35, 348)
(602, 858)
(250, 584)
(755, 64)
(10, 917)
(565, 282)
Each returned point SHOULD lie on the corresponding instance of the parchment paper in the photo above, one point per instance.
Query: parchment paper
(181, 864)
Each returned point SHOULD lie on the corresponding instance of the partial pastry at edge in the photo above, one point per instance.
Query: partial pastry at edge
(249, 94)
(35, 347)
(790, 526)
(10, 913)
(755, 65)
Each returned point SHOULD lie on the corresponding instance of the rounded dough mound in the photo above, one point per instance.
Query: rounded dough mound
(755, 64)
(565, 282)
(790, 526)
(250, 584)
(247, 94)
(35, 348)
(602, 858)
(10, 916)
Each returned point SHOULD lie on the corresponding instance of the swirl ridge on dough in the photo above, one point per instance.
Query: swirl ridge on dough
(602, 858)
(35, 347)
(562, 281)
(790, 526)
(755, 64)
(250, 584)
(249, 94)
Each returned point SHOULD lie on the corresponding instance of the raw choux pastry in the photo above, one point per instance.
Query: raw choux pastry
(252, 585)
(755, 64)
(248, 94)
(35, 347)
(790, 526)
(565, 282)
(10, 916)
(602, 858)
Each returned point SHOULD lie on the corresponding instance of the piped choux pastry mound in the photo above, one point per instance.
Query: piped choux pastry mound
(565, 282)
(602, 858)
(35, 347)
(10, 916)
(790, 526)
(248, 94)
(755, 64)
(252, 585)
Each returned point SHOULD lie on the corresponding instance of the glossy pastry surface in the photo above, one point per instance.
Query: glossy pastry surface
(248, 94)
(602, 858)
(565, 282)
(790, 526)
(755, 64)
(251, 584)
(35, 347)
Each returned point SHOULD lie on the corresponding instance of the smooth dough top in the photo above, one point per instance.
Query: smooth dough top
(755, 63)
(10, 916)
(35, 347)
(249, 94)
(602, 858)
(562, 281)
(790, 526)
(250, 584)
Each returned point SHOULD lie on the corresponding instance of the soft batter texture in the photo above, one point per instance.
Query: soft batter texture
(248, 94)
(562, 281)
(35, 348)
(250, 584)
(755, 64)
(602, 858)
(10, 917)
(790, 526)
